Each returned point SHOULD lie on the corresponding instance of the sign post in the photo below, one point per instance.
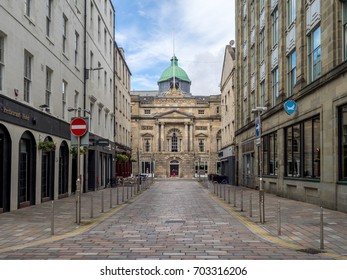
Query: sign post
(78, 127)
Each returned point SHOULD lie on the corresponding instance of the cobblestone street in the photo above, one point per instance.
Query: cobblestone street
(173, 219)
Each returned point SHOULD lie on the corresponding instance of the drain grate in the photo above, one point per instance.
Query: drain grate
(312, 251)
(175, 221)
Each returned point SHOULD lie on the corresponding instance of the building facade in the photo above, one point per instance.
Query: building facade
(123, 115)
(48, 53)
(227, 166)
(175, 134)
(293, 50)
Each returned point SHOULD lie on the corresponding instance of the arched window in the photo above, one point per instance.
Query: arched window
(201, 146)
(174, 147)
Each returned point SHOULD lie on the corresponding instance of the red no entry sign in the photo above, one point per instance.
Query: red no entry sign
(78, 127)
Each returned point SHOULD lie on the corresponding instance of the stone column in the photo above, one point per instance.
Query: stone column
(185, 142)
(156, 138)
(162, 136)
(191, 137)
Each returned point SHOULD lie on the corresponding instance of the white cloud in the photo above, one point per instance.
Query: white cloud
(201, 28)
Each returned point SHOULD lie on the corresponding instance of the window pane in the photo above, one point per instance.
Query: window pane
(265, 155)
(308, 149)
(316, 148)
(343, 143)
(296, 151)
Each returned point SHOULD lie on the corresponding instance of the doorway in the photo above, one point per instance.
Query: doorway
(174, 168)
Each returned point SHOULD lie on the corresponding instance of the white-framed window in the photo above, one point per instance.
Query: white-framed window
(65, 20)
(48, 94)
(63, 99)
(91, 14)
(105, 40)
(105, 82)
(291, 75)
(2, 59)
(147, 145)
(75, 101)
(344, 22)
(99, 29)
(27, 7)
(77, 38)
(27, 75)
(99, 74)
(274, 26)
(201, 112)
(291, 11)
(252, 60)
(48, 16)
(314, 54)
(262, 45)
(262, 93)
(274, 75)
(253, 99)
(147, 112)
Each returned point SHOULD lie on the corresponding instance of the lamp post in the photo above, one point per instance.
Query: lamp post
(258, 111)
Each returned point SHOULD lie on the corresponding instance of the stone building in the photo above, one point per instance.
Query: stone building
(297, 51)
(122, 114)
(175, 134)
(56, 61)
(227, 153)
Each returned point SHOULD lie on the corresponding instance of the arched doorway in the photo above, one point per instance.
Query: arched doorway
(174, 168)
(63, 170)
(26, 170)
(5, 169)
(47, 172)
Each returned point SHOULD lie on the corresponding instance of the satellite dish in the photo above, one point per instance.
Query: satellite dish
(232, 42)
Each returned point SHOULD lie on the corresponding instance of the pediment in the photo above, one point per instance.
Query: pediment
(201, 135)
(174, 114)
(147, 135)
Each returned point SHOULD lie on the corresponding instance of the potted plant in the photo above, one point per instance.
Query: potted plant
(46, 146)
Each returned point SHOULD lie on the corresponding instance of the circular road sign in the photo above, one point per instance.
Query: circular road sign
(78, 127)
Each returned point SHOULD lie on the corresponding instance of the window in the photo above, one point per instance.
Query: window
(252, 61)
(302, 146)
(63, 99)
(147, 112)
(146, 167)
(77, 37)
(48, 94)
(314, 54)
(27, 76)
(99, 29)
(174, 143)
(48, 17)
(201, 145)
(270, 154)
(105, 40)
(274, 74)
(262, 4)
(64, 33)
(75, 101)
(2, 59)
(201, 112)
(253, 99)
(27, 7)
(147, 147)
(91, 14)
(291, 76)
(291, 11)
(262, 93)
(99, 71)
(262, 45)
(218, 110)
(201, 167)
(274, 26)
(343, 143)
(105, 82)
(344, 20)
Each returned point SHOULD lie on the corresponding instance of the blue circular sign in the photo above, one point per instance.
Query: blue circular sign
(290, 107)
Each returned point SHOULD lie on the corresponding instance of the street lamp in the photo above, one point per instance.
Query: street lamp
(258, 111)
(78, 181)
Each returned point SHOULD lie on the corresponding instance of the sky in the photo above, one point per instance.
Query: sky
(197, 31)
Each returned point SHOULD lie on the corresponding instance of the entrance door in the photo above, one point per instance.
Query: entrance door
(174, 168)
(248, 170)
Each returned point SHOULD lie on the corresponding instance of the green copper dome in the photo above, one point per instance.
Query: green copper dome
(174, 70)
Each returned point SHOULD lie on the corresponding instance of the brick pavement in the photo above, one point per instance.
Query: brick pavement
(174, 219)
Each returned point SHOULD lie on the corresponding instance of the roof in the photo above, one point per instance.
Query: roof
(174, 70)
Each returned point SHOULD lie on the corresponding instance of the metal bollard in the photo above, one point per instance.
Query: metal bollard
(250, 206)
(214, 187)
(279, 218)
(228, 195)
(235, 196)
(52, 219)
(117, 195)
(321, 229)
(241, 200)
(262, 206)
(123, 193)
(110, 197)
(225, 193)
(91, 206)
(102, 202)
(127, 192)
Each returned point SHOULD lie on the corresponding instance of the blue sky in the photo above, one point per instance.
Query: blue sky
(202, 28)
